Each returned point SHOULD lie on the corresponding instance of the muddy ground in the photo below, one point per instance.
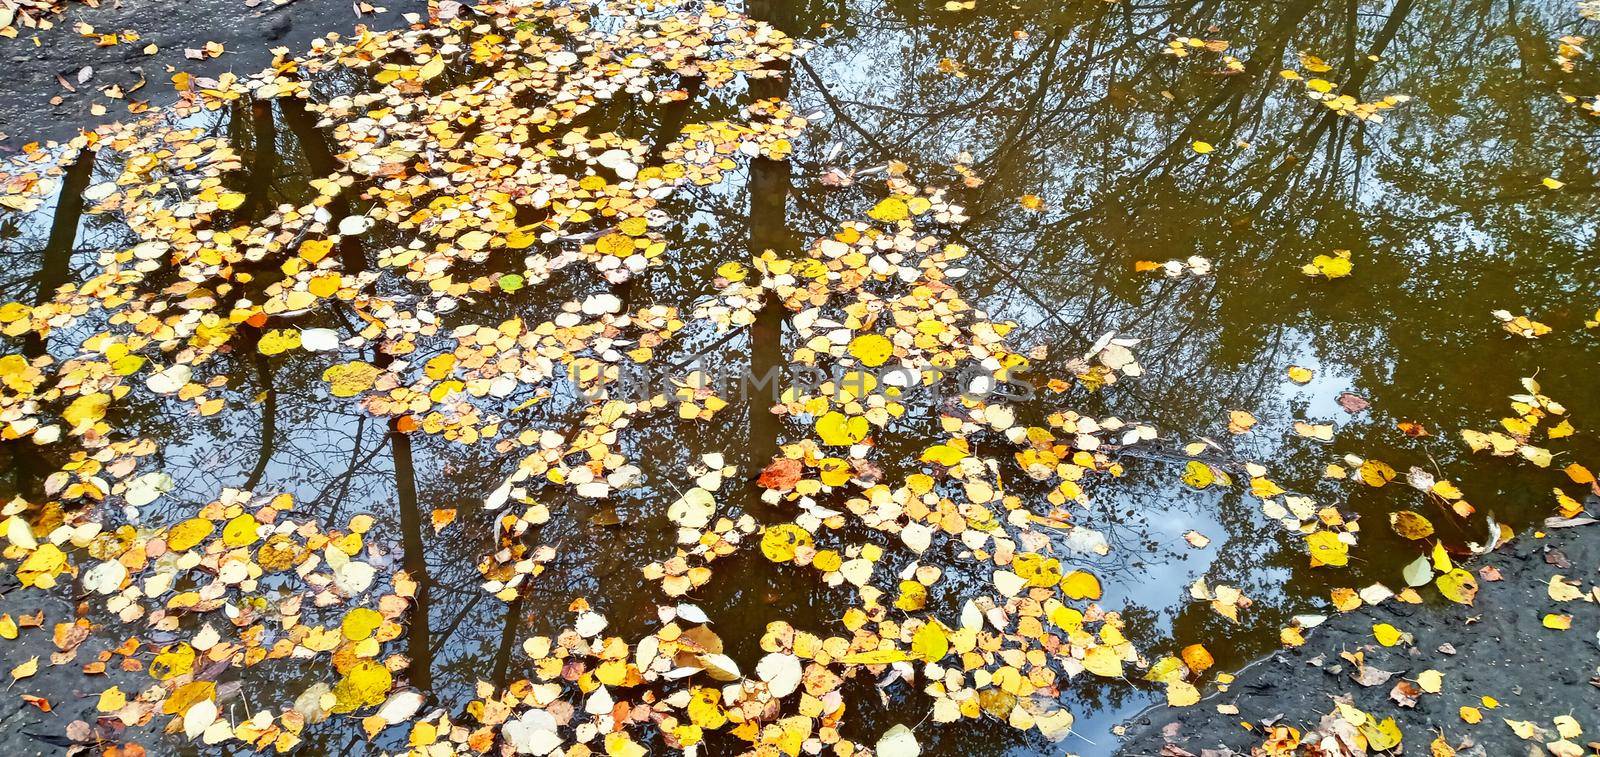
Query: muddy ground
(247, 35)
(1501, 649)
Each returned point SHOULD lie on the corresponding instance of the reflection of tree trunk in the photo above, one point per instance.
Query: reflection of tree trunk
(269, 422)
(263, 160)
(673, 116)
(770, 181)
(57, 266)
(28, 462)
(323, 163)
(314, 145)
(508, 642)
(416, 562)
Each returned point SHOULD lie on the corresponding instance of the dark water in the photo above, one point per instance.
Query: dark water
(1441, 206)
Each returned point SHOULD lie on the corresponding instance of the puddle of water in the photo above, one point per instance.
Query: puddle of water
(1440, 205)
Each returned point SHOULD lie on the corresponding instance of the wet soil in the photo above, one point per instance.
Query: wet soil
(1501, 649)
(28, 107)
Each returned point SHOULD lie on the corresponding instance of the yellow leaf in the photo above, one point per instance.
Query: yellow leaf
(1381, 735)
(1079, 584)
(86, 410)
(1240, 421)
(890, 209)
(314, 250)
(432, 68)
(1386, 634)
(871, 349)
(1181, 694)
(1441, 558)
(836, 430)
(1561, 590)
(359, 623)
(1471, 715)
(615, 245)
(1066, 618)
(1333, 266)
(1037, 569)
(1201, 147)
(1524, 729)
(188, 695)
(1299, 375)
(1537, 455)
(26, 669)
(350, 379)
(111, 700)
(705, 709)
(1327, 549)
(930, 643)
(1458, 586)
(478, 239)
(189, 533)
(175, 661)
(1410, 525)
(913, 595)
(1166, 670)
(1557, 622)
(1553, 182)
(366, 684)
(1376, 473)
(943, 454)
(1103, 661)
(1431, 681)
(240, 531)
(1198, 474)
(779, 542)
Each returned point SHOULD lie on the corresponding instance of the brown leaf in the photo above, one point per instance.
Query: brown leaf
(1405, 693)
(1353, 403)
(780, 475)
(1367, 675)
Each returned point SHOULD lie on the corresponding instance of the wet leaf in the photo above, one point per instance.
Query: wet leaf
(1458, 585)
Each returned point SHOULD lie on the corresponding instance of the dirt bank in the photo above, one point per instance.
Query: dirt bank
(246, 34)
(1498, 648)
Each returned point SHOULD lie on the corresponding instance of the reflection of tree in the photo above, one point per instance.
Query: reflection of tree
(58, 251)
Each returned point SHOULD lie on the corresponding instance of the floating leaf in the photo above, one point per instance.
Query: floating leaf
(871, 349)
(779, 542)
(837, 430)
(1410, 525)
(1333, 266)
(1080, 584)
